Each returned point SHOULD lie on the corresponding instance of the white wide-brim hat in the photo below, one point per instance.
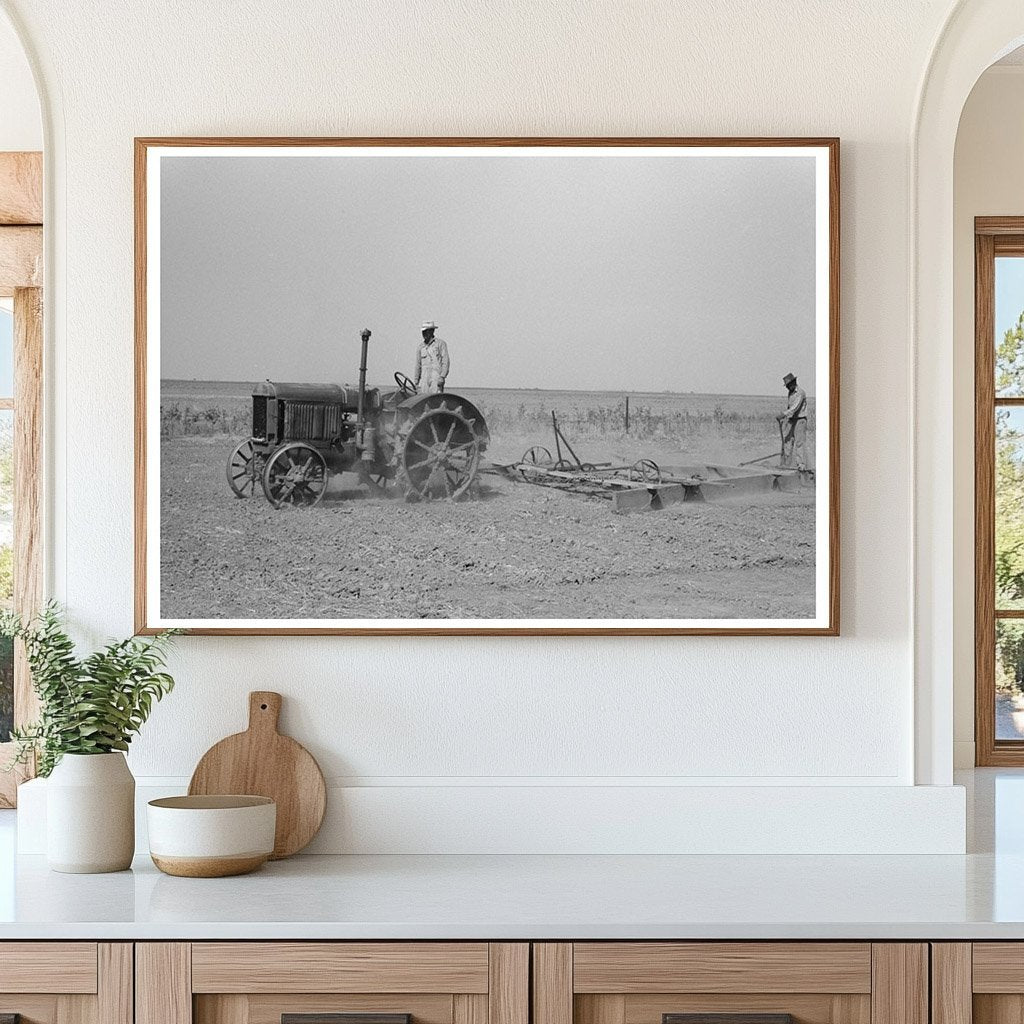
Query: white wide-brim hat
(428, 324)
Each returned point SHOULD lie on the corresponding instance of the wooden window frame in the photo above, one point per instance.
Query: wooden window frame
(21, 271)
(993, 237)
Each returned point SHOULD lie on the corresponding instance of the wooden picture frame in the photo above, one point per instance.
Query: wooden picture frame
(821, 478)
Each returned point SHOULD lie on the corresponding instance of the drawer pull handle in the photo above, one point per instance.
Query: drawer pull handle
(340, 1018)
(727, 1018)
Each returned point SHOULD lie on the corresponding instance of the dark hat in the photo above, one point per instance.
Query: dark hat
(788, 379)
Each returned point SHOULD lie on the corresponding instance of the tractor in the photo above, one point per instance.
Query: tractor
(428, 446)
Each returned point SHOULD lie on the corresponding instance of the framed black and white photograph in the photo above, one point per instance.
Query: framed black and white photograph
(499, 386)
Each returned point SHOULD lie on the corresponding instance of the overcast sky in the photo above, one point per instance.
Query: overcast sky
(623, 273)
(1009, 294)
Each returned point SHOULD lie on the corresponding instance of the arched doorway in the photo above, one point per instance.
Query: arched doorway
(976, 34)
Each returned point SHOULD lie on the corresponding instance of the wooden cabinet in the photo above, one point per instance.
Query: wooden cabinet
(264, 982)
(494, 983)
(978, 983)
(66, 982)
(756, 982)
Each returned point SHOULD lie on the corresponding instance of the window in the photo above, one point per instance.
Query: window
(6, 512)
(999, 491)
(21, 373)
(20, 503)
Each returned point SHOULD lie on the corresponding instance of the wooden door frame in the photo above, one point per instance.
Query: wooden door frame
(993, 236)
(21, 270)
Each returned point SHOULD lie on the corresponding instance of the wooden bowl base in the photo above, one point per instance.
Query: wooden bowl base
(209, 867)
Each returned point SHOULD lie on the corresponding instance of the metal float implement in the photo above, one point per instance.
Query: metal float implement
(644, 484)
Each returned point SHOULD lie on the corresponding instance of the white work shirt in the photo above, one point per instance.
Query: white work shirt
(797, 408)
(433, 360)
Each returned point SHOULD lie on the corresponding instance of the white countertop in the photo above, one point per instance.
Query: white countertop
(978, 896)
(517, 897)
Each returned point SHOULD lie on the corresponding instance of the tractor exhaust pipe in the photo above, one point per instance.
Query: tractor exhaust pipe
(365, 335)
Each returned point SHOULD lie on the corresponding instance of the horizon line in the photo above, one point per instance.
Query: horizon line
(475, 387)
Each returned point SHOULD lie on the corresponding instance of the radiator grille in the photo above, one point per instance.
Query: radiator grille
(315, 421)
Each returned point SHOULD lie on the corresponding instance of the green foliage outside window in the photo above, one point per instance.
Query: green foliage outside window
(1009, 510)
(6, 573)
(6, 578)
(7, 464)
(6, 688)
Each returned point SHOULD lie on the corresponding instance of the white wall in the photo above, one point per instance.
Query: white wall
(988, 181)
(21, 127)
(438, 715)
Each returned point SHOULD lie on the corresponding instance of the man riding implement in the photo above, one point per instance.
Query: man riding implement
(793, 423)
(431, 360)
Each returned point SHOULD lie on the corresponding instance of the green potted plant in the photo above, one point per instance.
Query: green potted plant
(90, 708)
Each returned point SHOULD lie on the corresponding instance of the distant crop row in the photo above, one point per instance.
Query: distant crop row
(185, 419)
(645, 422)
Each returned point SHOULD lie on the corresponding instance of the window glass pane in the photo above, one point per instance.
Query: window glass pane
(6, 689)
(1009, 532)
(6, 567)
(6, 353)
(1009, 326)
(1009, 679)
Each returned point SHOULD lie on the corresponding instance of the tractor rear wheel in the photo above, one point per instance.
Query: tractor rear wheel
(440, 455)
(295, 474)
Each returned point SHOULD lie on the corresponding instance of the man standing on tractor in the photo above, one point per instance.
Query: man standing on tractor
(431, 361)
(793, 425)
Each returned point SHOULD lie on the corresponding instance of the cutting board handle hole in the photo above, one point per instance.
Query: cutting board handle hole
(263, 707)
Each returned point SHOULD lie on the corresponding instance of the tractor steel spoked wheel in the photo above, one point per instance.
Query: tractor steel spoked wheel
(295, 475)
(538, 455)
(243, 469)
(535, 462)
(646, 471)
(440, 456)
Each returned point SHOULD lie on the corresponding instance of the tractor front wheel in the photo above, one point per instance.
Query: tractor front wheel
(295, 474)
(243, 469)
(440, 455)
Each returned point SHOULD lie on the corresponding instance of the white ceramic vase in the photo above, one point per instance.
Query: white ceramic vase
(90, 814)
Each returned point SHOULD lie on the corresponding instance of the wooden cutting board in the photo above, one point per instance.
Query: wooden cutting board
(262, 762)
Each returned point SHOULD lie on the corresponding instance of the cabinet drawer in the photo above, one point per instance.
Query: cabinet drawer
(998, 967)
(65, 967)
(634, 967)
(981, 982)
(66, 982)
(730, 983)
(332, 983)
(340, 967)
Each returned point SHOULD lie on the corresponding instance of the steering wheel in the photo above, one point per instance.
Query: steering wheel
(405, 384)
